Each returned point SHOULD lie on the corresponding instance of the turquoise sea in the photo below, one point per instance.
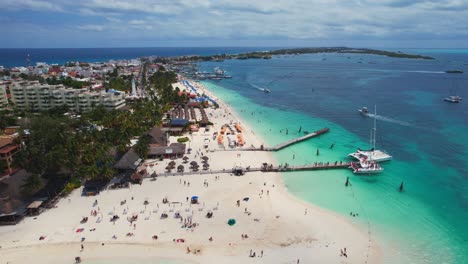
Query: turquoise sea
(427, 137)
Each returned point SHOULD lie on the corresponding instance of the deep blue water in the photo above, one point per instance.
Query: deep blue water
(17, 57)
(426, 136)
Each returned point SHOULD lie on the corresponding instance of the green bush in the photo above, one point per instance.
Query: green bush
(182, 139)
(72, 185)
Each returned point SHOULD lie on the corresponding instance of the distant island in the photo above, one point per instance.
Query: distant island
(298, 51)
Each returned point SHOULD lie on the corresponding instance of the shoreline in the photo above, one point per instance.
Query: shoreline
(283, 229)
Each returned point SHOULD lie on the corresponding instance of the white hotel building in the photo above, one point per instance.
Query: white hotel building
(3, 97)
(35, 96)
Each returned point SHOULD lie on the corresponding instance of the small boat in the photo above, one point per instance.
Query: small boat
(364, 111)
(266, 90)
(366, 167)
(454, 71)
(453, 99)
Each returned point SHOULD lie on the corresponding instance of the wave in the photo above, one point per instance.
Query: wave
(415, 71)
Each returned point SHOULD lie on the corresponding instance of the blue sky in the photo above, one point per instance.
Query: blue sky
(146, 23)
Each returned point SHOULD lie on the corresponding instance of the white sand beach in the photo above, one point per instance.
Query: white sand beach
(284, 228)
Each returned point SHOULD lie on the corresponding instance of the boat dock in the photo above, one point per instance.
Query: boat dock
(315, 166)
(265, 168)
(297, 140)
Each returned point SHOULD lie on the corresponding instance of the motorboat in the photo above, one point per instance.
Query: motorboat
(364, 111)
(453, 99)
(366, 167)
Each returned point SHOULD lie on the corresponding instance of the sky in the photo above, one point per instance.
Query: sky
(233, 23)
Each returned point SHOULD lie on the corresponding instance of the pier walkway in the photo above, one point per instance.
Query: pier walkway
(264, 168)
(297, 140)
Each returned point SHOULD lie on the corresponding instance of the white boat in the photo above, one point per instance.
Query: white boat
(265, 90)
(371, 154)
(453, 99)
(366, 167)
(364, 111)
(218, 71)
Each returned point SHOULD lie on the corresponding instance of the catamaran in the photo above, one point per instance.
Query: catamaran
(371, 154)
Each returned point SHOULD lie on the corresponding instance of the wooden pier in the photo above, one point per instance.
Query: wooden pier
(315, 166)
(265, 168)
(297, 140)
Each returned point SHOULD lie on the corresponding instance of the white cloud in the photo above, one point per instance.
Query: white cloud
(91, 27)
(137, 22)
(31, 5)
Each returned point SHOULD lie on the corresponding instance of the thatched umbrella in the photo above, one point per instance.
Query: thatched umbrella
(205, 158)
(180, 168)
(169, 168)
(153, 175)
(185, 159)
(195, 167)
(172, 163)
(193, 163)
(204, 161)
(206, 166)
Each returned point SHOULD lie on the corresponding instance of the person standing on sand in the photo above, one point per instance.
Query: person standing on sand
(82, 247)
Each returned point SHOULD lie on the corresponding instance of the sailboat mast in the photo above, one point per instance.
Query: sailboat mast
(375, 127)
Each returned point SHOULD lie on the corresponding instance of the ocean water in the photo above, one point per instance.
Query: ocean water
(17, 57)
(427, 223)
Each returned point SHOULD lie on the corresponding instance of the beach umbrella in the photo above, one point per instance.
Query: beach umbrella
(172, 163)
(180, 168)
(231, 222)
(153, 175)
(205, 158)
(204, 161)
(185, 158)
(169, 168)
(206, 165)
(193, 163)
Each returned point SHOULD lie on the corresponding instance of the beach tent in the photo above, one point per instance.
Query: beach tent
(231, 222)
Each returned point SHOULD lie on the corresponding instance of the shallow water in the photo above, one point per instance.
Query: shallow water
(426, 136)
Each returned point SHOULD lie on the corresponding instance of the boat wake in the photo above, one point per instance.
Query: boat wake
(266, 90)
(399, 122)
(377, 70)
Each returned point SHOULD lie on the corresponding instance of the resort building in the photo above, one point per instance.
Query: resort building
(3, 97)
(34, 96)
(9, 146)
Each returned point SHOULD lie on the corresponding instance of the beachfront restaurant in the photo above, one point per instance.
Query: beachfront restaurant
(173, 151)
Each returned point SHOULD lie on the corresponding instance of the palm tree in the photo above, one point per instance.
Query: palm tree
(32, 184)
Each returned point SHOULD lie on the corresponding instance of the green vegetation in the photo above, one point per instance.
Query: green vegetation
(68, 82)
(296, 51)
(183, 139)
(142, 147)
(120, 83)
(31, 185)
